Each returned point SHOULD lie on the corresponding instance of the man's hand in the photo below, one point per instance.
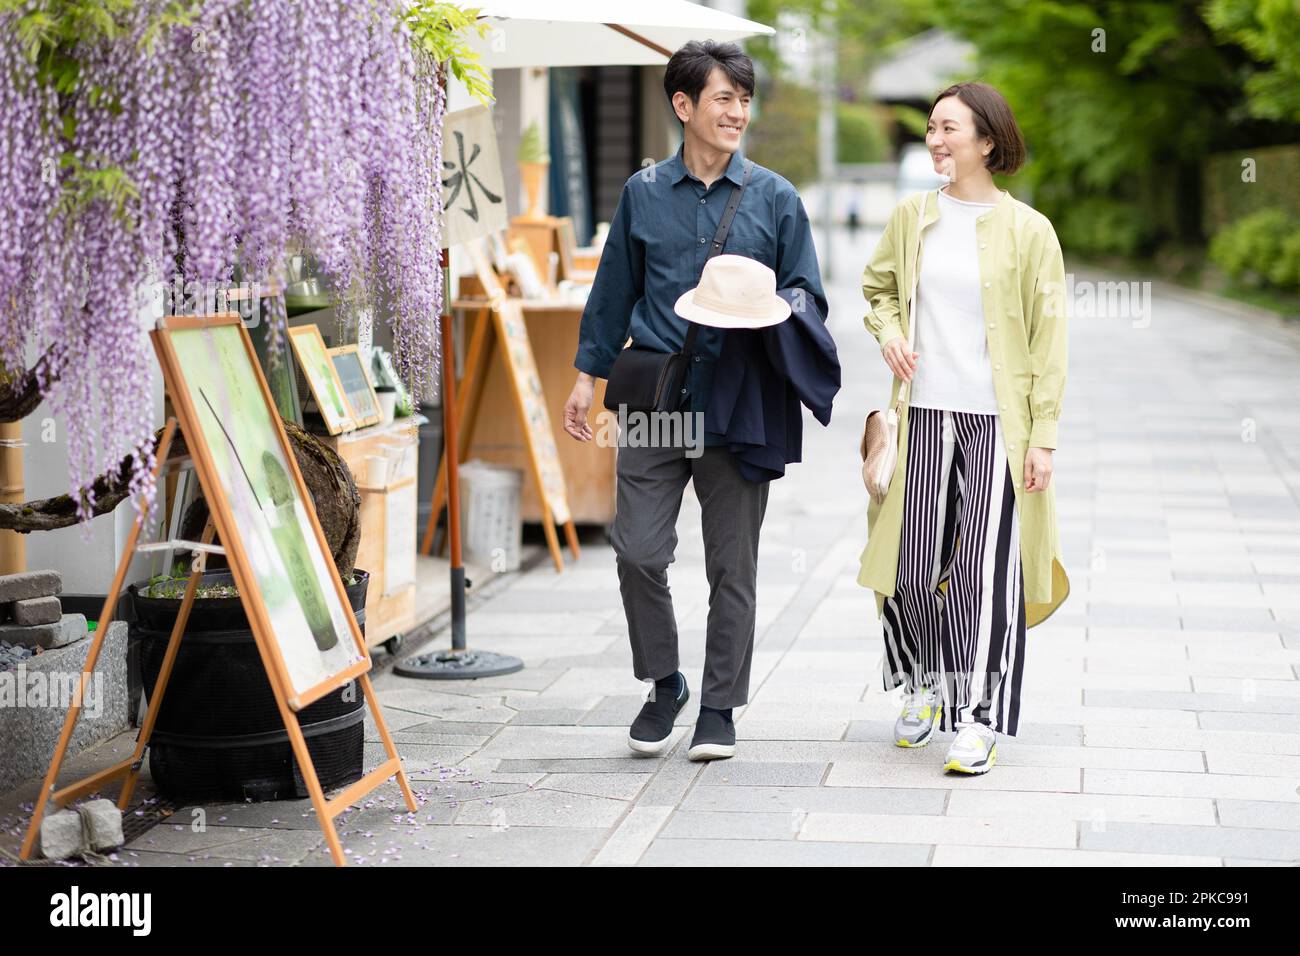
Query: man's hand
(1038, 469)
(577, 407)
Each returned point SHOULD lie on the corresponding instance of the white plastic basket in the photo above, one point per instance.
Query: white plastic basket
(492, 530)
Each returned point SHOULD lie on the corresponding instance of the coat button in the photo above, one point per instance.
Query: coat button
(1004, 406)
(703, 201)
(984, 245)
(1011, 447)
(991, 325)
(996, 367)
(986, 285)
(701, 240)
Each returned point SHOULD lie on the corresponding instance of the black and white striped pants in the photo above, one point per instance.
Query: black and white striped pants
(960, 525)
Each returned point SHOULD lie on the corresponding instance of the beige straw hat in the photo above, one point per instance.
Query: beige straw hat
(735, 292)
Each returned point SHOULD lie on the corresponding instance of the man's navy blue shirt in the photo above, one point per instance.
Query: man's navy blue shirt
(658, 241)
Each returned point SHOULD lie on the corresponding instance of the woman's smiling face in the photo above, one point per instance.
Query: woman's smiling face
(950, 135)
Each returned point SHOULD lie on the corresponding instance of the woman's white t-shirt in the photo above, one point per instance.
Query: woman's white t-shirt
(953, 371)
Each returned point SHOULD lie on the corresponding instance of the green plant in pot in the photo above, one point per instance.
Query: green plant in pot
(534, 161)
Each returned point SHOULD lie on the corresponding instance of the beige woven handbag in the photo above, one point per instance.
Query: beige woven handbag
(880, 431)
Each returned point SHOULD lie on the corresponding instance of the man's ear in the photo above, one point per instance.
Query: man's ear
(681, 105)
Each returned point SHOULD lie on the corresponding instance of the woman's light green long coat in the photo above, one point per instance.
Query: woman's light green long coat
(1023, 278)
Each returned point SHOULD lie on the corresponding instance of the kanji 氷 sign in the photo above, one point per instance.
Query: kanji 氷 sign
(473, 189)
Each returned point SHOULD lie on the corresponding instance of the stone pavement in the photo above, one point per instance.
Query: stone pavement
(1161, 723)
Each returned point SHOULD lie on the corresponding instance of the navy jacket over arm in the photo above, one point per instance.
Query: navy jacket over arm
(657, 246)
(761, 378)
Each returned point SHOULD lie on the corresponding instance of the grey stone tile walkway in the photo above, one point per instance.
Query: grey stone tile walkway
(1161, 724)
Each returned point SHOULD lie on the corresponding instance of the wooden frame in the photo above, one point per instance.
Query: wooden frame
(504, 313)
(566, 241)
(306, 337)
(362, 417)
(228, 528)
(221, 520)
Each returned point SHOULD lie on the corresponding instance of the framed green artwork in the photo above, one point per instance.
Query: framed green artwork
(355, 381)
(295, 601)
(323, 382)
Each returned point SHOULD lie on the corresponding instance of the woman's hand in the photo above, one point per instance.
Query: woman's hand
(901, 362)
(1038, 469)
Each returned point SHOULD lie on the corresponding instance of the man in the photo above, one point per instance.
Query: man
(658, 243)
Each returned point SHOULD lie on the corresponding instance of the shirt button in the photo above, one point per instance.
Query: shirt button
(701, 240)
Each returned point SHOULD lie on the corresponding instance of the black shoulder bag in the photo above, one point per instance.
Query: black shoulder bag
(643, 380)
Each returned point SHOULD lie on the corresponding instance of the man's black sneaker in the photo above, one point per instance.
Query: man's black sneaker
(715, 736)
(654, 725)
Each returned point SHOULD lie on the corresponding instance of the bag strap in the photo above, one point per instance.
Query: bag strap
(720, 240)
(906, 387)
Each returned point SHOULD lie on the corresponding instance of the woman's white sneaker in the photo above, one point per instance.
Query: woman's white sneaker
(916, 724)
(974, 750)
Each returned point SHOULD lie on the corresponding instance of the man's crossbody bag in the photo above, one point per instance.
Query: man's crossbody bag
(643, 380)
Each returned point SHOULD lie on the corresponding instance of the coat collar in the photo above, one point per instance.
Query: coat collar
(930, 206)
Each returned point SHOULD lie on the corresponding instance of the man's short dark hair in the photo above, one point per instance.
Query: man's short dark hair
(689, 68)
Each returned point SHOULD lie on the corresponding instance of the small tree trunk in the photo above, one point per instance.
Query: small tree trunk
(13, 547)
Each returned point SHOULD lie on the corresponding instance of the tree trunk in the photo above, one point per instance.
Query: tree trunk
(19, 396)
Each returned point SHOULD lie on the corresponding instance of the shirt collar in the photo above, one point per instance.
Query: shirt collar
(735, 170)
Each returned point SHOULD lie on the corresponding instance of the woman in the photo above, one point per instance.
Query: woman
(963, 552)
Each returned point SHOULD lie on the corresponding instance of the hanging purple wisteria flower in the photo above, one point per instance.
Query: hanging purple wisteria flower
(191, 144)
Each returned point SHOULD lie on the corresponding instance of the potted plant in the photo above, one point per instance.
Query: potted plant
(534, 161)
(218, 733)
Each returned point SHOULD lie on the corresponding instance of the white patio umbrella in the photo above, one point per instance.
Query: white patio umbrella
(598, 32)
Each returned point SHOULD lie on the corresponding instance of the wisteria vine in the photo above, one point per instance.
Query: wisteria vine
(199, 141)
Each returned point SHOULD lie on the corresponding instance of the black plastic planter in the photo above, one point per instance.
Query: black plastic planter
(219, 734)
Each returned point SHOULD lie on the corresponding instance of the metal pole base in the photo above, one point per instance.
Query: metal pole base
(458, 665)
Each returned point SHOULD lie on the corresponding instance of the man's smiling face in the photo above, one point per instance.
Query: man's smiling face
(721, 116)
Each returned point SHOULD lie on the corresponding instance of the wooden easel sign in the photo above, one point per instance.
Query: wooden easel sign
(261, 508)
(297, 608)
(521, 370)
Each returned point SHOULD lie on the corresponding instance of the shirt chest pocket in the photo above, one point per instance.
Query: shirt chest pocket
(752, 245)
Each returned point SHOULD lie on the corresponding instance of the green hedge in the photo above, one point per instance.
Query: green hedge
(1227, 198)
(860, 134)
(1100, 226)
(1261, 249)
(783, 134)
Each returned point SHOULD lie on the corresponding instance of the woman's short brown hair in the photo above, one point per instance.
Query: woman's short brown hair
(993, 120)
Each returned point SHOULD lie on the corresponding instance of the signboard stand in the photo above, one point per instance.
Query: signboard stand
(276, 653)
(501, 322)
(464, 222)
(459, 662)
